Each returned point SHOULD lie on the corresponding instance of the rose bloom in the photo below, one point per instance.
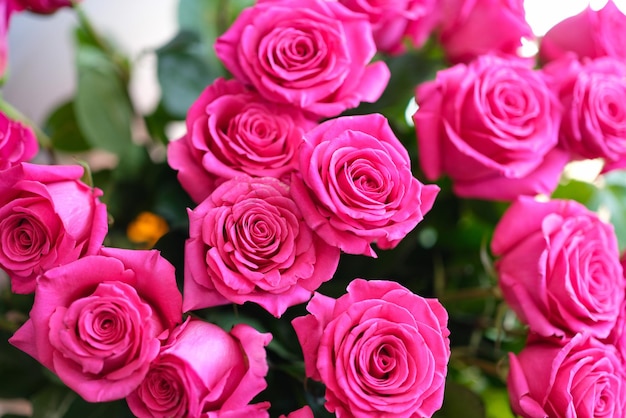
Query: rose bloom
(249, 242)
(204, 371)
(233, 131)
(470, 28)
(397, 21)
(48, 217)
(581, 379)
(17, 142)
(355, 185)
(594, 116)
(98, 322)
(379, 349)
(313, 54)
(492, 127)
(44, 6)
(304, 412)
(591, 34)
(559, 267)
(7, 8)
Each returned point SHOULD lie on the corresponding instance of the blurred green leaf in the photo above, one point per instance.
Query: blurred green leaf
(497, 402)
(62, 128)
(183, 72)
(52, 402)
(460, 402)
(103, 109)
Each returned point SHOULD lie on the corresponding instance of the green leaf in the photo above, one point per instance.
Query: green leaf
(52, 402)
(460, 402)
(64, 131)
(103, 109)
(183, 72)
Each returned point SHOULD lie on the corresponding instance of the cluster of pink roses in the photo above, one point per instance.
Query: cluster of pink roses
(500, 128)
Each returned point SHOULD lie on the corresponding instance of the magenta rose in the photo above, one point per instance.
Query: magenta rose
(17, 142)
(379, 349)
(594, 115)
(7, 8)
(48, 217)
(304, 412)
(470, 28)
(559, 267)
(581, 379)
(204, 371)
(394, 22)
(355, 185)
(492, 127)
(233, 131)
(591, 33)
(44, 6)
(98, 322)
(249, 242)
(313, 54)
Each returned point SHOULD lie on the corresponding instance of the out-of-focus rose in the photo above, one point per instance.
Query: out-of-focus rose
(582, 379)
(304, 412)
(98, 322)
(470, 28)
(394, 22)
(313, 54)
(17, 142)
(44, 6)
(591, 34)
(355, 185)
(48, 217)
(249, 242)
(7, 8)
(204, 371)
(492, 127)
(233, 131)
(380, 349)
(594, 114)
(559, 267)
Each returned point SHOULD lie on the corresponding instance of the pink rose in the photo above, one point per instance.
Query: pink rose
(44, 6)
(98, 322)
(470, 28)
(204, 371)
(313, 54)
(17, 142)
(248, 242)
(492, 127)
(393, 22)
(232, 131)
(582, 379)
(304, 412)
(594, 117)
(48, 217)
(591, 34)
(559, 267)
(7, 8)
(618, 333)
(355, 185)
(379, 349)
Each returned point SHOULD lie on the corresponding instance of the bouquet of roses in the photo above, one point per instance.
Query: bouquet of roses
(372, 211)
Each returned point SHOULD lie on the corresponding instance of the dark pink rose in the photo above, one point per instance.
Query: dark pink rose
(17, 142)
(355, 185)
(394, 22)
(581, 379)
(48, 217)
(313, 54)
(591, 34)
(559, 267)
(304, 412)
(44, 6)
(618, 333)
(594, 114)
(379, 349)
(492, 127)
(233, 131)
(249, 242)
(470, 28)
(204, 371)
(98, 322)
